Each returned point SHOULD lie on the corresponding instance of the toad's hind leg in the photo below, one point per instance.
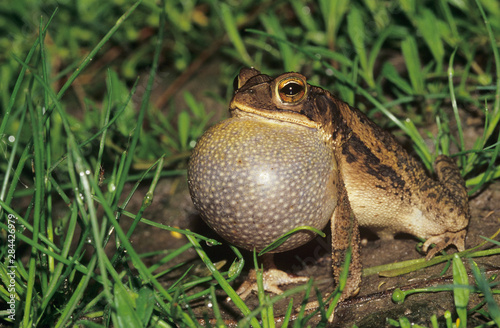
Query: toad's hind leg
(453, 200)
(345, 236)
(272, 279)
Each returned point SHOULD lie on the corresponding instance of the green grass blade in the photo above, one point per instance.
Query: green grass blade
(126, 315)
(455, 107)
(357, 33)
(496, 56)
(58, 276)
(12, 157)
(96, 49)
(232, 31)
(21, 76)
(342, 282)
(482, 284)
(412, 59)
(219, 322)
(142, 111)
(283, 238)
(272, 24)
(304, 15)
(76, 296)
(222, 282)
(460, 294)
(38, 137)
(333, 14)
(183, 126)
(427, 24)
(390, 72)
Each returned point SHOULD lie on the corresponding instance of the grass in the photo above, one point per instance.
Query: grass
(75, 132)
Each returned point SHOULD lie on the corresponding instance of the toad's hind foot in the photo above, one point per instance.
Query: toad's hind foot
(444, 240)
(272, 278)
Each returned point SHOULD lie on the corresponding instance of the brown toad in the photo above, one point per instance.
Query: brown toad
(294, 155)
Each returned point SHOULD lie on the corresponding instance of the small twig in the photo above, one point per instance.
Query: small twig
(205, 55)
(174, 87)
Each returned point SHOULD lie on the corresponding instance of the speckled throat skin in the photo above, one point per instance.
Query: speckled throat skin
(254, 179)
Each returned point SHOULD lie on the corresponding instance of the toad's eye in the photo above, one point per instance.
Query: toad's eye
(291, 90)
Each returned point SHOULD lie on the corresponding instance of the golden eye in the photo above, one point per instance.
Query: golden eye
(291, 90)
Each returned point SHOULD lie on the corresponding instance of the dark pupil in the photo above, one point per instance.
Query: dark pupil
(291, 89)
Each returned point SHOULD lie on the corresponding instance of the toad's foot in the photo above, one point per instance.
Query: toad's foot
(444, 240)
(272, 278)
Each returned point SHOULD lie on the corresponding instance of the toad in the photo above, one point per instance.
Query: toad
(294, 155)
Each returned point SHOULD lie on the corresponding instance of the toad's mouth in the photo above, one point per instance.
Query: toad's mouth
(238, 110)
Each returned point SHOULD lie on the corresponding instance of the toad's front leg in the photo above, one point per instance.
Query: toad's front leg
(345, 238)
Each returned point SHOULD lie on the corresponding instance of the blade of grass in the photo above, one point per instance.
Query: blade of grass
(427, 24)
(86, 205)
(342, 282)
(273, 26)
(46, 224)
(390, 72)
(219, 322)
(83, 172)
(400, 268)
(76, 296)
(304, 15)
(12, 157)
(455, 107)
(281, 239)
(302, 320)
(288, 314)
(183, 127)
(38, 137)
(357, 33)
(461, 295)
(267, 320)
(98, 47)
(58, 277)
(333, 13)
(126, 314)
(21, 76)
(142, 112)
(232, 31)
(495, 115)
(375, 51)
(222, 282)
(482, 284)
(496, 56)
(412, 60)
(104, 128)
